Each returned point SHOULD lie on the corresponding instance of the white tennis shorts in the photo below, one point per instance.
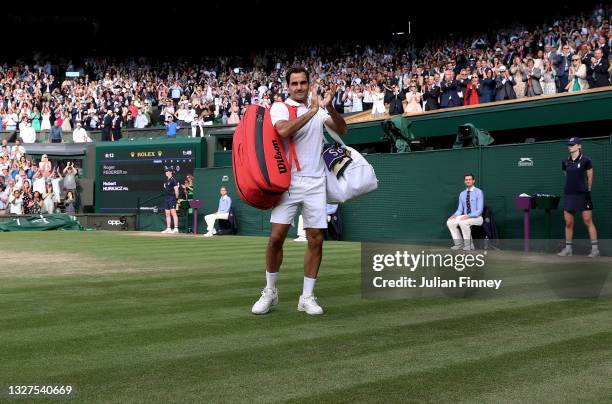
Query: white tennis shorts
(310, 194)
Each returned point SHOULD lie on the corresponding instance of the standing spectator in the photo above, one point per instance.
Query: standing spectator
(395, 103)
(562, 61)
(196, 124)
(107, 126)
(517, 70)
(599, 70)
(66, 126)
(45, 166)
(49, 199)
(338, 101)
(548, 78)
(431, 94)
(80, 134)
(357, 98)
(504, 85)
(56, 133)
(28, 134)
(26, 197)
(35, 205)
(116, 125)
(472, 92)
(577, 76)
(35, 118)
(449, 87)
(233, 119)
(70, 173)
(532, 79)
(141, 120)
(378, 101)
(171, 127)
(367, 98)
(487, 87)
(69, 203)
(413, 101)
(4, 197)
(15, 203)
(18, 150)
(46, 116)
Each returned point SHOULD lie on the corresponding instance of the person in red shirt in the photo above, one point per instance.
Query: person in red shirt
(472, 92)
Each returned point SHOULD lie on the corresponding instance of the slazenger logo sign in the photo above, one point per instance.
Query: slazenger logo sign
(525, 162)
(114, 222)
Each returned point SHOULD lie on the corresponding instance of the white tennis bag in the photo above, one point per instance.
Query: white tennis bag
(358, 179)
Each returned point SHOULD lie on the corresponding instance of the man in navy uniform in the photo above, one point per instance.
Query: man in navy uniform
(578, 170)
(171, 193)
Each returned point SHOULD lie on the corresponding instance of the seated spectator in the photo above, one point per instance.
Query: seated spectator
(225, 203)
(504, 85)
(331, 208)
(577, 76)
(468, 213)
(79, 135)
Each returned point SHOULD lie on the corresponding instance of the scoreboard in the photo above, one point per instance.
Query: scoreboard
(129, 171)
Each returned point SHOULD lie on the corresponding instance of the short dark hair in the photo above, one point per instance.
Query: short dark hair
(469, 175)
(295, 70)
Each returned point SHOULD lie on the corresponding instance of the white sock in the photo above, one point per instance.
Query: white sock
(309, 284)
(271, 279)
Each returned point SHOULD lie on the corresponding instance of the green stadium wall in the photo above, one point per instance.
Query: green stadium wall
(418, 191)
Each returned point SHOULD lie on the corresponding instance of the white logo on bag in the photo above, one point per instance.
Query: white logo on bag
(114, 222)
(525, 162)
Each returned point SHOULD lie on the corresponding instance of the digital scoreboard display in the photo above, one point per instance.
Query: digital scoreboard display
(128, 175)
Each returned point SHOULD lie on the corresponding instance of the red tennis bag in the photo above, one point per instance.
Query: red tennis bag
(262, 170)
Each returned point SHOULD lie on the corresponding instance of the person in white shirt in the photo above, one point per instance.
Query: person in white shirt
(18, 150)
(141, 120)
(27, 133)
(307, 188)
(79, 135)
(16, 203)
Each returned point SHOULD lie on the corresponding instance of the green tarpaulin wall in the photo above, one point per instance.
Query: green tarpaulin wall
(40, 223)
(418, 191)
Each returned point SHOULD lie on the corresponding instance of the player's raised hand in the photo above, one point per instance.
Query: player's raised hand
(314, 97)
(329, 96)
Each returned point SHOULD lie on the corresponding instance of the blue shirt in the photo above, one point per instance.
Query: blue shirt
(331, 208)
(476, 203)
(225, 203)
(171, 129)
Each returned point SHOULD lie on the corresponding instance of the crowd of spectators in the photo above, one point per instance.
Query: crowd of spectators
(35, 187)
(570, 55)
